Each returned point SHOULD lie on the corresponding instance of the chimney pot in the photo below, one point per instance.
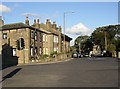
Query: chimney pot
(54, 22)
(26, 17)
(27, 21)
(48, 20)
(34, 20)
(38, 21)
(59, 26)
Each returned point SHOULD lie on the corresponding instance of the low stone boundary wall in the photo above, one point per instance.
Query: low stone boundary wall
(56, 58)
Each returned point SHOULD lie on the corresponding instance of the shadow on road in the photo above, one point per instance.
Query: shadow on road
(11, 74)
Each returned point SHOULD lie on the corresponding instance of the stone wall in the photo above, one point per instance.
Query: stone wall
(14, 35)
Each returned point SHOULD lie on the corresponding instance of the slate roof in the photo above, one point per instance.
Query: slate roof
(14, 26)
(53, 31)
(66, 37)
(22, 25)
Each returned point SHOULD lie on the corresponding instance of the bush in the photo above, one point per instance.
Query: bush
(53, 54)
(111, 48)
(45, 56)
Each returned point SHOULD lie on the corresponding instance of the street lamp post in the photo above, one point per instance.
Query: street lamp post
(64, 28)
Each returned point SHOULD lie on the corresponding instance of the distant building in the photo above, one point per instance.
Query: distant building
(96, 50)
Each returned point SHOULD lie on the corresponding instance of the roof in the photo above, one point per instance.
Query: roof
(14, 26)
(22, 25)
(41, 29)
(17, 26)
(66, 37)
(52, 30)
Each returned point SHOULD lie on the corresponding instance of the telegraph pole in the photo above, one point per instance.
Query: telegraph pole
(105, 41)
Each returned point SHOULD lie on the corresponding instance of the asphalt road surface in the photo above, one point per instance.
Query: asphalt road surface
(81, 72)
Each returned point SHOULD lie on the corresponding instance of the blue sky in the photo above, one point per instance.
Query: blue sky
(87, 16)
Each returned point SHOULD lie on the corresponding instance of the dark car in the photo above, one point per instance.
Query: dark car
(76, 55)
(86, 54)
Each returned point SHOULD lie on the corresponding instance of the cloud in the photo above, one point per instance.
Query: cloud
(31, 14)
(4, 8)
(79, 29)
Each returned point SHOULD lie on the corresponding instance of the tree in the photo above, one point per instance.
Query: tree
(83, 43)
(113, 42)
(111, 48)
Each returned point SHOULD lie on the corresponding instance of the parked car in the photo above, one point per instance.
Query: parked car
(76, 55)
(86, 54)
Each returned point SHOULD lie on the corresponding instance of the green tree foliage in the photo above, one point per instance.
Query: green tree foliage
(72, 49)
(83, 43)
(111, 48)
(113, 41)
(112, 34)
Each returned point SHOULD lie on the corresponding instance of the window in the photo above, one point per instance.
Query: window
(46, 38)
(4, 35)
(43, 37)
(35, 35)
(31, 51)
(43, 50)
(55, 49)
(40, 50)
(46, 50)
(35, 50)
(32, 34)
(40, 37)
(14, 51)
(56, 39)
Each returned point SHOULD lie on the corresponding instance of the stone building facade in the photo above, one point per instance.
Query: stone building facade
(10, 36)
(39, 39)
(53, 39)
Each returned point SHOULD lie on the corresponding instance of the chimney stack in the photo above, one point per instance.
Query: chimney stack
(48, 24)
(38, 21)
(38, 25)
(34, 21)
(60, 29)
(27, 21)
(48, 20)
(54, 25)
(1, 21)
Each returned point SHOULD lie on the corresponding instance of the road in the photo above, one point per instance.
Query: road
(81, 72)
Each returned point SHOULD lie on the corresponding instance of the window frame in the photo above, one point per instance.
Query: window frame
(35, 36)
(4, 36)
(31, 51)
(14, 51)
(32, 35)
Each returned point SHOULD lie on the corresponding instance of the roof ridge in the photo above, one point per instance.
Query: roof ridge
(14, 23)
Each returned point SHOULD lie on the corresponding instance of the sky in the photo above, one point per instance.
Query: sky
(86, 17)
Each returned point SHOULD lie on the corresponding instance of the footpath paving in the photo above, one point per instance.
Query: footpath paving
(46, 62)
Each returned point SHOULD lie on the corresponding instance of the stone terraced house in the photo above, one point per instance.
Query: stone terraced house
(35, 40)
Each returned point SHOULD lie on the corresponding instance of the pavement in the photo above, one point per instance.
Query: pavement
(51, 62)
(79, 72)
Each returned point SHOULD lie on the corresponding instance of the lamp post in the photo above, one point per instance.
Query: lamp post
(64, 28)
